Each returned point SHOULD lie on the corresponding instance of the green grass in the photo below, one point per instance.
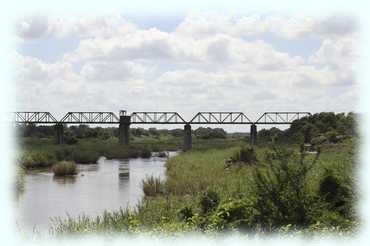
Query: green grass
(64, 168)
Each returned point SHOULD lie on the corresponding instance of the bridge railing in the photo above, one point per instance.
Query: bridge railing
(220, 118)
(156, 118)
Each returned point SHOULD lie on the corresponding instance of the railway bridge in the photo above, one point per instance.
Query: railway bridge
(124, 121)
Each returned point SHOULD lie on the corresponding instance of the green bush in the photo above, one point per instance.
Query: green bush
(64, 168)
(145, 153)
(332, 136)
(233, 214)
(245, 155)
(280, 190)
(338, 195)
(37, 159)
(186, 213)
(209, 201)
(318, 140)
(85, 156)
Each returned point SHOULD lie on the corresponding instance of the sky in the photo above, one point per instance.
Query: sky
(209, 61)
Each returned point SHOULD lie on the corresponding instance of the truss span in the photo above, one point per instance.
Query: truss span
(156, 118)
(276, 118)
(33, 118)
(220, 118)
(90, 118)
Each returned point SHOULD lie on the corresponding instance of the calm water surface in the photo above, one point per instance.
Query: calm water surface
(96, 188)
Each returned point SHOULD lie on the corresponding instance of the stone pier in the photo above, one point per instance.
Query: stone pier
(59, 133)
(253, 134)
(187, 137)
(124, 129)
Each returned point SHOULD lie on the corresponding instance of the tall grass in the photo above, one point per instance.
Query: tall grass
(153, 186)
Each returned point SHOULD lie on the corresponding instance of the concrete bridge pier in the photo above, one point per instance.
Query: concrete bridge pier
(59, 130)
(187, 137)
(124, 129)
(253, 134)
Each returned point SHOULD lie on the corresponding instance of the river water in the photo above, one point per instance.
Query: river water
(96, 188)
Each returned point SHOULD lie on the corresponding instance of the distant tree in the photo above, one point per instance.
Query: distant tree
(208, 133)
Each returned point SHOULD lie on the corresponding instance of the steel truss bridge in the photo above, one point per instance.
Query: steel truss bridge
(272, 118)
(124, 121)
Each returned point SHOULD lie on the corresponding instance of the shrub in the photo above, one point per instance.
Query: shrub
(85, 156)
(280, 190)
(233, 214)
(336, 194)
(37, 160)
(318, 140)
(332, 136)
(209, 200)
(64, 168)
(145, 153)
(245, 155)
(153, 186)
(186, 213)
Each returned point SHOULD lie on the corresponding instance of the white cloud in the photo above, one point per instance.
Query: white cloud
(33, 69)
(289, 27)
(338, 53)
(32, 27)
(112, 71)
(207, 63)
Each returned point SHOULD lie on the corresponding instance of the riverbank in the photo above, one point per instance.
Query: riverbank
(41, 153)
(285, 190)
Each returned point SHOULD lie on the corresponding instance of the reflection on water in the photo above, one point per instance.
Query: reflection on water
(96, 188)
(65, 180)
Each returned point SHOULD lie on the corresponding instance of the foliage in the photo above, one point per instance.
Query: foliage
(208, 201)
(209, 133)
(245, 154)
(37, 159)
(233, 214)
(186, 213)
(280, 189)
(146, 153)
(64, 168)
(334, 127)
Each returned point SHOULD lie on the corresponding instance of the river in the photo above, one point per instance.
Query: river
(96, 188)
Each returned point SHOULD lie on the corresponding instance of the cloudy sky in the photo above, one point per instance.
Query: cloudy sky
(196, 62)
